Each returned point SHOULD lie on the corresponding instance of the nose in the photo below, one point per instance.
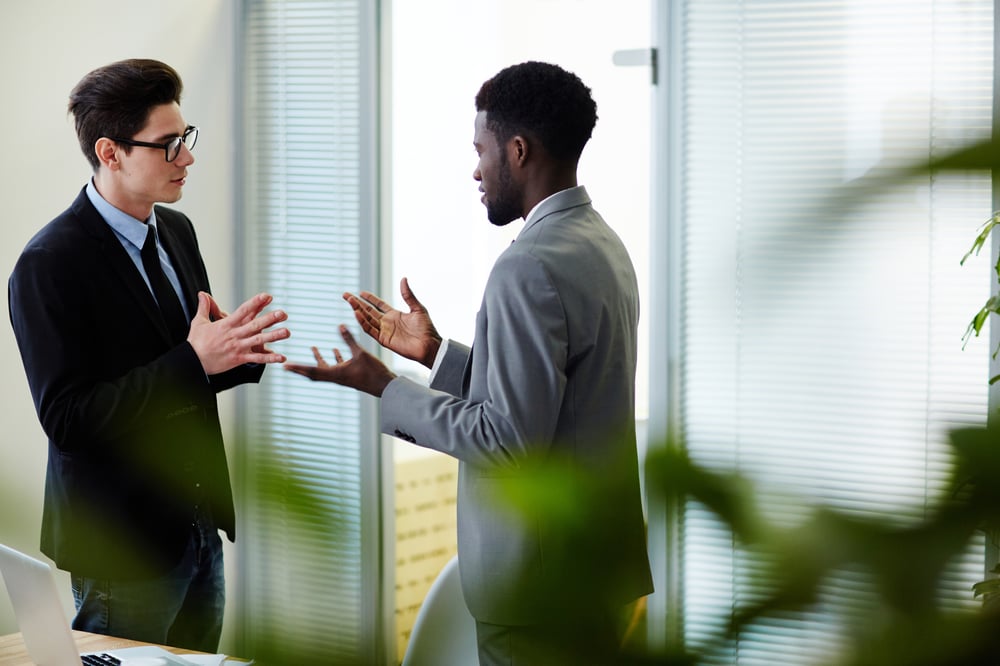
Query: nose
(185, 157)
(477, 175)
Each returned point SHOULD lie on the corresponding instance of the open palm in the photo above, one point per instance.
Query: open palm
(362, 371)
(409, 334)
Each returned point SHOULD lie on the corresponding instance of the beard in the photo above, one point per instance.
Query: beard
(505, 206)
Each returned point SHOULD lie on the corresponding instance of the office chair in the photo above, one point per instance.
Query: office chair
(444, 633)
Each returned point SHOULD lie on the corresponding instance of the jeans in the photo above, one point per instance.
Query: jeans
(183, 608)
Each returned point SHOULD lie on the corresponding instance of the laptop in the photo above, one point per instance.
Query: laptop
(45, 628)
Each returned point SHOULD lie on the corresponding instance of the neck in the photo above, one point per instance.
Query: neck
(108, 188)
(542, 186)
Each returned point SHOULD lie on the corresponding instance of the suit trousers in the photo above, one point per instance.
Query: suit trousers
(582, 639)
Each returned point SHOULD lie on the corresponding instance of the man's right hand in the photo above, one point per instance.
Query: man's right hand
(362, 371)
(223, 341)
(409, 334)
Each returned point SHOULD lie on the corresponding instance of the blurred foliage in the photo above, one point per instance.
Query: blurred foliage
(304, 639)
(905, 624)
(982, 155)
(902, 623)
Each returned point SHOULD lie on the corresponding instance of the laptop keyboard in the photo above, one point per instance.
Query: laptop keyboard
(100, 660)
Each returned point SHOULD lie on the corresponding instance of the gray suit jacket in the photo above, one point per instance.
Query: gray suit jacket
(540, 414)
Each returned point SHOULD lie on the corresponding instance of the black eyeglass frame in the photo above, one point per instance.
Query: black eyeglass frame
(175, 143)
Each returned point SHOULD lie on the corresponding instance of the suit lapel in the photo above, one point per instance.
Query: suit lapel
(119, 261)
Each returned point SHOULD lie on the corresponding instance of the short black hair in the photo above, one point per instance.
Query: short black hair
(543, 101)
(115, 100)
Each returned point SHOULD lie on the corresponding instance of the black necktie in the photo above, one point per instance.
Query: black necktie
(166, 297)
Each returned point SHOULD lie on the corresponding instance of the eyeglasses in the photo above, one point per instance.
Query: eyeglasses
(171, 149)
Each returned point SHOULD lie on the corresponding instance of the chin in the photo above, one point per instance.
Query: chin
(500, 217)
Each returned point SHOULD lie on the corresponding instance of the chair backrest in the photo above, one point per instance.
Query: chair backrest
(444, 633)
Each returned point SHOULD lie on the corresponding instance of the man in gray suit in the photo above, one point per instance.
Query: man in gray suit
(540, 410)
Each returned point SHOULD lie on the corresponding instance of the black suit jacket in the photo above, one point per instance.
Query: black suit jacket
(132, 420)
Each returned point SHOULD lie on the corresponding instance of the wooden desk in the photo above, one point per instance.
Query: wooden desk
(13, 652)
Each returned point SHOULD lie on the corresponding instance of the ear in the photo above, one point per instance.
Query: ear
(107, 153)
(517, 150)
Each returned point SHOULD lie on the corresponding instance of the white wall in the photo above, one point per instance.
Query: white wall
(46, 46)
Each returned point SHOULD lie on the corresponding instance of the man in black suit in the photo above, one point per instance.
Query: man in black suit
(125, 349)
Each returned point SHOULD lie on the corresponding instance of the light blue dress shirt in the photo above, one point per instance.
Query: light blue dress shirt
(131, 234)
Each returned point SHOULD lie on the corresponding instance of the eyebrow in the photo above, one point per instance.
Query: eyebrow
(170, 135)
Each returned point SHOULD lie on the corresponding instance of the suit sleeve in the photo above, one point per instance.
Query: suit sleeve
(79, 395)
(516, 379)
(249, 373)
(450, 374)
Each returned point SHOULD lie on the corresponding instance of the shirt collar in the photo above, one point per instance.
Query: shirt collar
(531, 213)
(126, 226)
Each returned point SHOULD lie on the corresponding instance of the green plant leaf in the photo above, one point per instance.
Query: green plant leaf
(981, 317)
(984, 235)
(986, 587)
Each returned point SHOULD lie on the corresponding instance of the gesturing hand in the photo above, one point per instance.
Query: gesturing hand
(362, 371)
(409, 334)
(223, 341)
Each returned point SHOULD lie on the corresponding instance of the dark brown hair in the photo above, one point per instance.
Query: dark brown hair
(115, 100)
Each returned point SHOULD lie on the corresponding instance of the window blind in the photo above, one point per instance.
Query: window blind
(822, 358)
(309, 549)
